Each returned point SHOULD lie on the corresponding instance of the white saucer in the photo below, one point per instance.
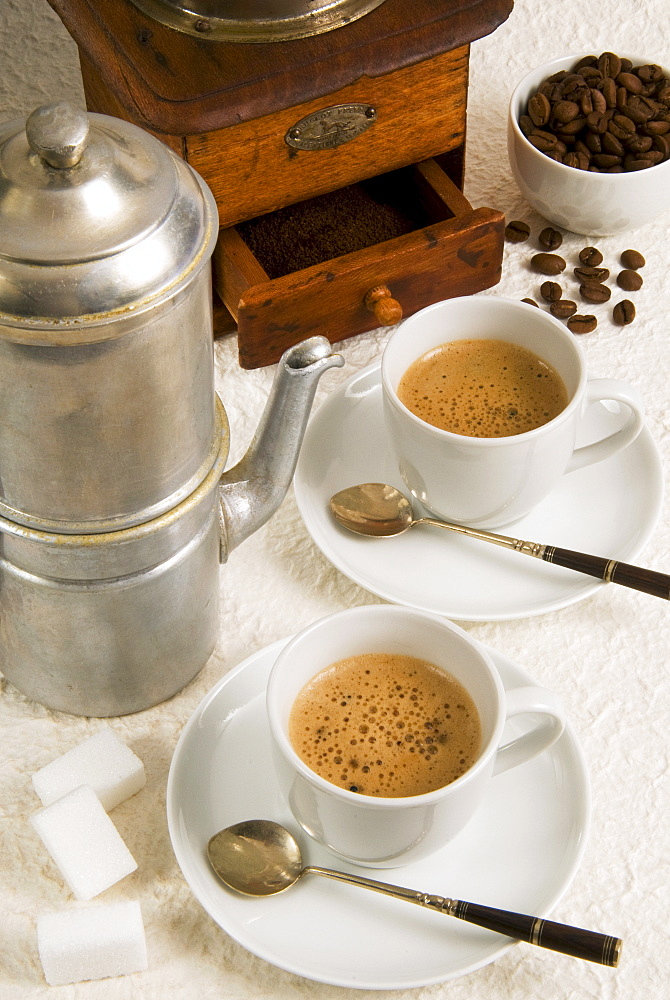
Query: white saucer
(609, 509)
(519, 852)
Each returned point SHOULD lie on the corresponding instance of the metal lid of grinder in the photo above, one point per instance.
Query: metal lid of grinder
(261, 21)
(97, 219)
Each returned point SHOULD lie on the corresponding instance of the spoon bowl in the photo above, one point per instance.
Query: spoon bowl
(261, 858)
(257, 858)
(375, 509)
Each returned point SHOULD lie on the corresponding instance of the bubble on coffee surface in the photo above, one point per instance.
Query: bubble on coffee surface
(483, 388)
(385, 725)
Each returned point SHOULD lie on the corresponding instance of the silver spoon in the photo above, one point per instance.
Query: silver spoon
(260, 858)
(381, 510)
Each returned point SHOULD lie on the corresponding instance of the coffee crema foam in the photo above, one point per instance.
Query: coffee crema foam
(385, 725)
(483, 388)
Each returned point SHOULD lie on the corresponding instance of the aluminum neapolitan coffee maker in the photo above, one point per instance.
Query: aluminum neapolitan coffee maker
(115, 509)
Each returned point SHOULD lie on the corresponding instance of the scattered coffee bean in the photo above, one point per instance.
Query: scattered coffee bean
(582, 324)
(550, 238)
(590, 256)
(547, 263)
(623, 312)
(632, 259)
(563, 309)
(551, 291)
(629, 280)
(517, 232)
(598, 116)
(591, 273)
(594, 291)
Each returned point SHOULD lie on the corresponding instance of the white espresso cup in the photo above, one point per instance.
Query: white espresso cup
(387, 832)
(493, 481)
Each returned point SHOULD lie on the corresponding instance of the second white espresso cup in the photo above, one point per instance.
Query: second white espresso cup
(387, 832)
(490, 482)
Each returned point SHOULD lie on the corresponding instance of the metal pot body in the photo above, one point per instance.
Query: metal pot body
(106, 357)
(112, 623)
(107, 431)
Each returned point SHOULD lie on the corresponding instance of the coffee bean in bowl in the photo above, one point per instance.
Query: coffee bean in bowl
(589, 141)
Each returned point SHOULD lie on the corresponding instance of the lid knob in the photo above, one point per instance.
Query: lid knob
(58, 133)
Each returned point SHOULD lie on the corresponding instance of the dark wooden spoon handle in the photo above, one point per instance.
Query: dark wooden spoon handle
(589, 945)
(575, 941)
(610, 570)
(646, 580)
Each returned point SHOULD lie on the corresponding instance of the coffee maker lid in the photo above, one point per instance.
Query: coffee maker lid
(261, 21)
(96, 216)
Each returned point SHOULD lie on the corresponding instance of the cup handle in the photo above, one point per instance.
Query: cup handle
(527, 700)
(598, 390)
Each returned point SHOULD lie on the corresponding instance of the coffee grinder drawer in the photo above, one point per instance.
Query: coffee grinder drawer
(402, 241)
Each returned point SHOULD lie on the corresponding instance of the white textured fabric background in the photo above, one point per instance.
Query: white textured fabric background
(606, 656)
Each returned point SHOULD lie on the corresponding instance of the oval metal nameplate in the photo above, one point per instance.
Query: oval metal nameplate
(331, 127)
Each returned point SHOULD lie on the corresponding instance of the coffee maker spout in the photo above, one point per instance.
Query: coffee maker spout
(251, 492)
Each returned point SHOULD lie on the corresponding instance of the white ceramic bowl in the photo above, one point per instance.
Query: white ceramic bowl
(579, 200)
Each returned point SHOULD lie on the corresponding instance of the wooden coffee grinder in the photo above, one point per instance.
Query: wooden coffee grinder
(332, 135)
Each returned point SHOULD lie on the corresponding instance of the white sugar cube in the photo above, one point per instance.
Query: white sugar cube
(92, 943)
(84, 843)
(103, 761)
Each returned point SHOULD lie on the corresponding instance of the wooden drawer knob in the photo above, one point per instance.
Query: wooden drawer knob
(387, 310)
